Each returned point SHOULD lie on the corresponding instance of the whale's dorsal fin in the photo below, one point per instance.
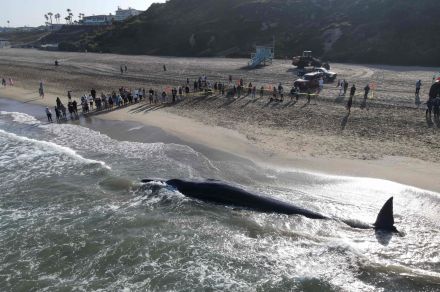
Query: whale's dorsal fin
(385, 218)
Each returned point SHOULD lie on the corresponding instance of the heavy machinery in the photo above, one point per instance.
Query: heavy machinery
(306, 60)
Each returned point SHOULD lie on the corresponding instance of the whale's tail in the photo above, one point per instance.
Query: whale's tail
(385, 218)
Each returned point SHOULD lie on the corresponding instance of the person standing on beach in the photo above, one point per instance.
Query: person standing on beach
(345, 87)
(341, 88)
(366, 92)
(436, 109)
(126, 69)
(281, 92)
(434, 102)
(49, 115)
(3, 82)
(70, 109)
(261, 91)
(321, 84)
(41, 89)
(195, 86)
(122, 70)
(350, 100)
(417, 97)
(418, 86)
(75, 109)
(57, 114)
(274, 94)
(174, 94)
(254, 92)
(93, 93)
(91, 102)
(164, 96)
(63, 111)
(58, 101)
(294, 93)
(164, 68)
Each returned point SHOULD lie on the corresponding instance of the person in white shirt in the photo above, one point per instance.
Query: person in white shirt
(90, 98)
(321, 84)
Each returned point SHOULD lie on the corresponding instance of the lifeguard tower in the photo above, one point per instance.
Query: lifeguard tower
(263, 55)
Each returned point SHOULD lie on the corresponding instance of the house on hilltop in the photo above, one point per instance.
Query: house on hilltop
(121, 15)
(4, 43)
(98, 19)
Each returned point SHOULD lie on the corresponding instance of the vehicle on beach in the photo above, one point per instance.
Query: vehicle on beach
(308, 81)
(328, 76)
(306, 60)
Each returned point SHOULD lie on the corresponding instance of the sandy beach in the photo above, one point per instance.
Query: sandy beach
(390, 140)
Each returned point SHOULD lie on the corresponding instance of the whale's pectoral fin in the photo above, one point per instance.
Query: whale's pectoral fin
(385, 218)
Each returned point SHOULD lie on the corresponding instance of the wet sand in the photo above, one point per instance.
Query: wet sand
(390, 140)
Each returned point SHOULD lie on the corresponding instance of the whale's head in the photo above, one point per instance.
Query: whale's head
(176, 183)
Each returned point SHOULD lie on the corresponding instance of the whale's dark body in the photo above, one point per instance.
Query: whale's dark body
(218, 192)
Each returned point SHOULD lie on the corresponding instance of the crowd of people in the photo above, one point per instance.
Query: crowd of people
(124, 96)
(343, 87)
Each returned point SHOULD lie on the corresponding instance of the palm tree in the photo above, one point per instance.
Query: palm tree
(67, 19)
(71, 17)
(50, 14)
(47, 18)
(8, 22)
(69, 13)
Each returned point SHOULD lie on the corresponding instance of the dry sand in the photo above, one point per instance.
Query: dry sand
(390, 140)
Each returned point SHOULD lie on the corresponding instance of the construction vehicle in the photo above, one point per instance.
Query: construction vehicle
(306, 60)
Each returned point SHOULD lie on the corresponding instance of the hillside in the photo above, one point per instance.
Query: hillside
(403, 32)
(24, 38)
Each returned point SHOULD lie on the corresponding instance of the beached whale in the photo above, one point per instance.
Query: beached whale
(219, 192)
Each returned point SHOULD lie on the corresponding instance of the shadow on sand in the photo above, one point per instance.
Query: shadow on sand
(344, 121)
(31, 100)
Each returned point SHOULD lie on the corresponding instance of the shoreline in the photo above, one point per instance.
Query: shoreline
(403, 170)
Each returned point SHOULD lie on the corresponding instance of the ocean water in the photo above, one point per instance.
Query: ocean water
(74, 217)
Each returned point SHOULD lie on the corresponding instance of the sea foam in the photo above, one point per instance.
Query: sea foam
(61, 149)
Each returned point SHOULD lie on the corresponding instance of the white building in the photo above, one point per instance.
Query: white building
(98, 19)
(123, 14)
(4, 43)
